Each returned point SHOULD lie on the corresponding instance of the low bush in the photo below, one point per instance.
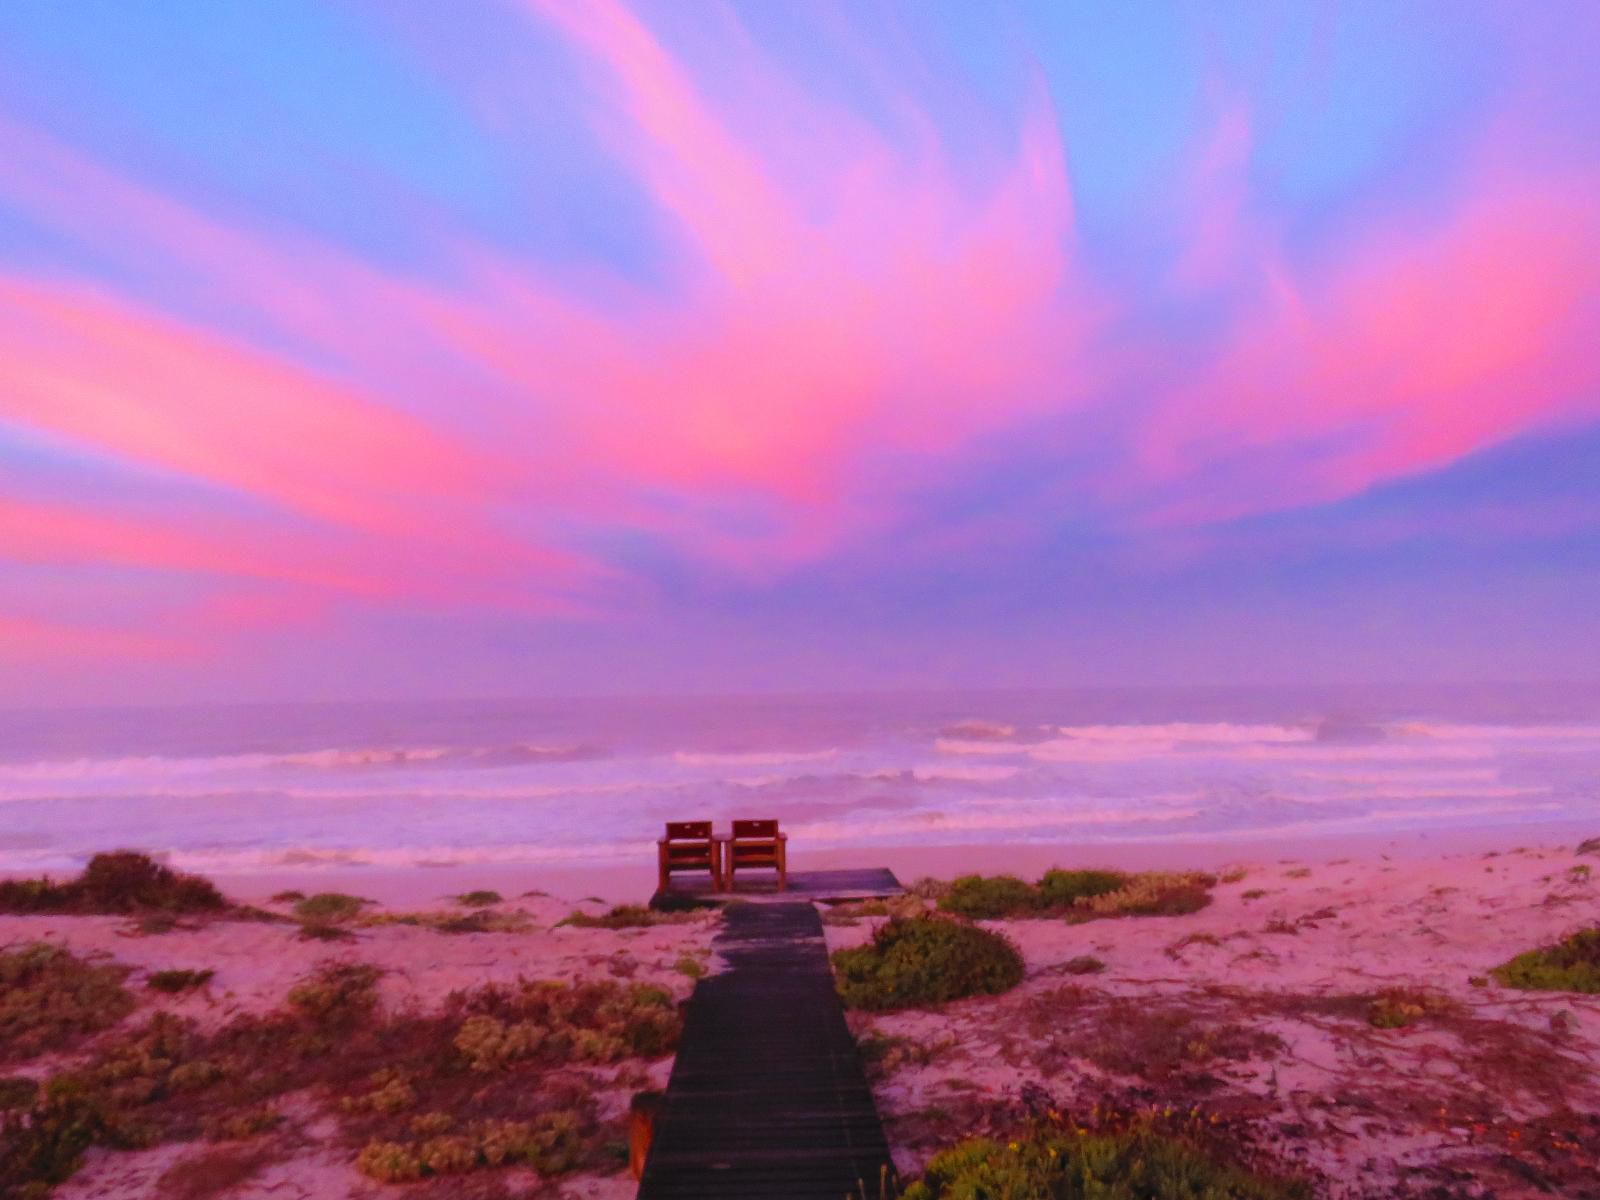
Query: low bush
(120, 882)
(926, 960)
(1078, 895)
(477, 1084)
(1059, 887)
(986, 898)
(51, 999)
(552, 1143)
(1135, 1165)
(1571, 965)
(593, 1022)
(178, 981)
(330, 908)
(479, 899)
(338, 995)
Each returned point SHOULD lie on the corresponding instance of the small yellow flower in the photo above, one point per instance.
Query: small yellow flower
(1016, 1145)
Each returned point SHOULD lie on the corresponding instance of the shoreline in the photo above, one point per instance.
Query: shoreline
(633, 881)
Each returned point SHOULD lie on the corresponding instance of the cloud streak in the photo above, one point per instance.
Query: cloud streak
(824, 327)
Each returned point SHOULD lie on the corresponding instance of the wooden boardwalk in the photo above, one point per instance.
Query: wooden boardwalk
(870, 883)
(767, 1097)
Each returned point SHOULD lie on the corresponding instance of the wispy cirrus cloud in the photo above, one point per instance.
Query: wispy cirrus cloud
(858, 348)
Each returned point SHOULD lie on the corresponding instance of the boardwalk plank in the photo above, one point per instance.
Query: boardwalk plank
(767, 1099)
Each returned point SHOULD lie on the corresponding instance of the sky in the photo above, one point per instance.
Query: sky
(542, 347)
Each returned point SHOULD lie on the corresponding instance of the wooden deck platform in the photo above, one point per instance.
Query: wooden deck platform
(767, 1099)
(868, 883)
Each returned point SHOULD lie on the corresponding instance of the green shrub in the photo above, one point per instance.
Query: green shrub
(290, 897)
(479, 899)
(50, 999)
(551, 1143)
(179, 981)
(591, 1022)
(1571, 965)
(982, 898)
(926, 960)
(1134, 1165)
(120, 882)
(329, 908)
(1061, 888)
(690, 966)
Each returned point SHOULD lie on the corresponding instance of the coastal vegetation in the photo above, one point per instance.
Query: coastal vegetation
(503, 1074)
(51, 999)
(178, 980)
(331, 907)
(1068, 1163)
(1078, 895)
(1570, 965)
(627, 916)
(926, 960)
(121, 882)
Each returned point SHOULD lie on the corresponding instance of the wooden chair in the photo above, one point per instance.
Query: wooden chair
(689, 846)
(758, 844)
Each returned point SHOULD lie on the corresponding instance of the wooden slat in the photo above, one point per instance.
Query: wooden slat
(767, 1098)
(811, 885)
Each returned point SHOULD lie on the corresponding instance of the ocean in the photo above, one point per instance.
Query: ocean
(255, 787)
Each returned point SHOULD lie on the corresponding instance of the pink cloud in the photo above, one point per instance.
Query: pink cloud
(1413, 350)
(27, 640)
(879, 304)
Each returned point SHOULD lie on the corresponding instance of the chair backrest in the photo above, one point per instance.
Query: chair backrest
(688, 830)
(755, 829)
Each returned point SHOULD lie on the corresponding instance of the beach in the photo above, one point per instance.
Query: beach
(1256, 1008)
